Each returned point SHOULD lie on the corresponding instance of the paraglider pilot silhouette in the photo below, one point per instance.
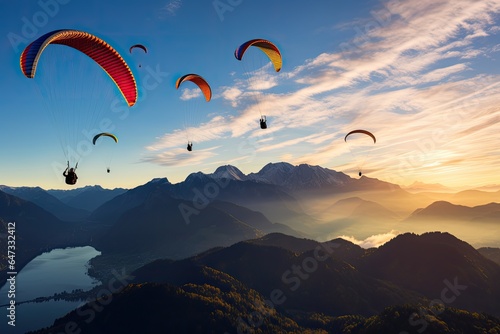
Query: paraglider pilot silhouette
(263, 124)
(70, 174)
(190, 146)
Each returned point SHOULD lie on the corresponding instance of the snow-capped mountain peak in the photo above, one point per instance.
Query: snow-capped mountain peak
(228, 172)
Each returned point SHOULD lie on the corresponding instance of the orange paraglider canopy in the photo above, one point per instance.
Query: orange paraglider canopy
(199, 81)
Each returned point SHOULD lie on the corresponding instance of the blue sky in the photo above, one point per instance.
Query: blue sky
(422, 76)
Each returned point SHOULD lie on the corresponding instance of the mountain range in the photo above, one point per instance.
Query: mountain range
(226, 245)
(227, 206)
(279, 283)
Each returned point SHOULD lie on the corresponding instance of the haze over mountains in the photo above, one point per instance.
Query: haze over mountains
(250, 235)
(229, 206)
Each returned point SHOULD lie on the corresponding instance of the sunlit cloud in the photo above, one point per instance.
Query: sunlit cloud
(190, 93)
(409, 77)
(231, 94)
(376, 240)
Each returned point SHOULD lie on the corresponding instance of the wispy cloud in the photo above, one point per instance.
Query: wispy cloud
(180, 157)
(171, 7)
(411, 80)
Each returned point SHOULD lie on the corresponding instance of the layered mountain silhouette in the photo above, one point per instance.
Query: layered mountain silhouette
(438, 264)
(432, 282)
(230, 252)
(358, 209)
(443, 210)
(405, 269)
(87, 198)
(214, 302)
(45, 200)
(280, 197)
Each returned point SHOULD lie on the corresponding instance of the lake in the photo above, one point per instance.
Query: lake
(52, 272)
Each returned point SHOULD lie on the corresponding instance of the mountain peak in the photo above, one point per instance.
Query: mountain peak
(298, 177)
(228, 172)
(160, 180)
(282, 166)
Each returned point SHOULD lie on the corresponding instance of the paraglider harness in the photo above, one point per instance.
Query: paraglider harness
(71, 174)
(190, 146)
(263, 124)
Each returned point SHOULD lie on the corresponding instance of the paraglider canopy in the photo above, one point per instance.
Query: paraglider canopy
(94, 47)
(361, 131)
(199, 81)
(140, 46)
(106, 134)
(271, 50)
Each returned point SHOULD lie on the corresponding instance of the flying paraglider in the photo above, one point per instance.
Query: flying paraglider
(263, 124)
(204, 88)
(70, 175)
(361, 131)
(273, 55)
(271, 51)
(199, 81)
(365, 132)
(138, 46)
(105, 134)
(68, 81)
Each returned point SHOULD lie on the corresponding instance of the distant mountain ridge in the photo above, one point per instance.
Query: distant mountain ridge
(442, 210)
(47, 201)
(87, 198)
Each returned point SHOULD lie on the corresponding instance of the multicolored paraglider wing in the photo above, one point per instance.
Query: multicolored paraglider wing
(97, 49)
(361, 131)
(106, 134)
(140, 46)
(199, 81)
(267, 47)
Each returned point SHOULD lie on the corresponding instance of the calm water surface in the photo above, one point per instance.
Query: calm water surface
(56, 271)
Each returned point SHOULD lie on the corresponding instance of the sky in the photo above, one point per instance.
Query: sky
(422, 76)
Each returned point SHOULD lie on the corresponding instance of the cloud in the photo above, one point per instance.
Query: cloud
(376, 240)
(231, 94)
(180, 157)
(403, 77)
(172, 7)
(188, 94)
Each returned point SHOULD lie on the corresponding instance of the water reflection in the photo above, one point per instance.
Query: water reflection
(53, 272)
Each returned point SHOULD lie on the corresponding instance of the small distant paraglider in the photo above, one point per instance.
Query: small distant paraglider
(365, 132)
(110, 135)
(138, 46)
